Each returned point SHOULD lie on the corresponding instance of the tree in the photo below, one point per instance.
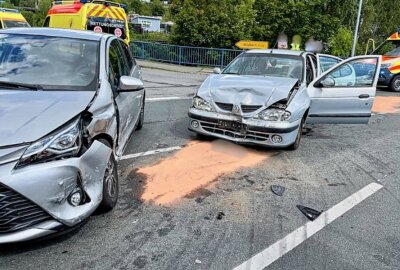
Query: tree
(212, 23)
(157, 8)
(305, 18)
(342, 42)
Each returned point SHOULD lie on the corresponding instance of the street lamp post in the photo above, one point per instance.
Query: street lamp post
(353, 51)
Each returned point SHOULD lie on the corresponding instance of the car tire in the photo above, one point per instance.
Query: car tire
(296, 143)
(395, 84)
(110, 183)
(141, 116)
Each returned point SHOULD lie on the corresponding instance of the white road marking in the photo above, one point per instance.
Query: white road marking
(295, 238)
(165, 98)
(152, 152)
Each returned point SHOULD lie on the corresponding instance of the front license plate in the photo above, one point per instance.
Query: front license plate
(231, 125)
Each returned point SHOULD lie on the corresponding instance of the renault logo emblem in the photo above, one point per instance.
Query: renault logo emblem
(236, 109)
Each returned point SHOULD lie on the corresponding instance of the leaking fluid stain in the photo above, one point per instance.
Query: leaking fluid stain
(195, 166)
(389, 104)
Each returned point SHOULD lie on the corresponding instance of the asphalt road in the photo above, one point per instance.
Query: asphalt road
(219, 222)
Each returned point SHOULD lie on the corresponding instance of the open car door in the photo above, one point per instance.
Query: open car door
(345, 93)
(325, 62)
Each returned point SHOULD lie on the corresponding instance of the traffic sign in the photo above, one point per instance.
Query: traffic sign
(98, 29)
(118, 32)
(248, 44)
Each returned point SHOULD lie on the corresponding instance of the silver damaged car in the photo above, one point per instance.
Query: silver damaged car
(69, 101)
(265, 97)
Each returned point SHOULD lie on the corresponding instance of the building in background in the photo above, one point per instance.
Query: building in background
(148, 23)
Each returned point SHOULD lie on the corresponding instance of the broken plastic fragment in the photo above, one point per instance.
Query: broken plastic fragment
(197, 261)
(220, 215)
(278, 190)
(310, 213)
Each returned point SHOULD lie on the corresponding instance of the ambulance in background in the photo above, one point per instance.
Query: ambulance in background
(97, 16)
(390, 68)
(12, 18)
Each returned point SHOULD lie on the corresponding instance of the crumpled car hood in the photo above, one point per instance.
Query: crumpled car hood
(247, 90)
(26, 116)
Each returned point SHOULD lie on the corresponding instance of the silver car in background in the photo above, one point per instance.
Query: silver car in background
(265, 97)
(69, 101)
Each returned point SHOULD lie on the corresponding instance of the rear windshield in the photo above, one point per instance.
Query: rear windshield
(51, 62)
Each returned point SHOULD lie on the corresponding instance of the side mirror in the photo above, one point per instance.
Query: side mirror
(327, 82)
(217, 70)
(128, 84)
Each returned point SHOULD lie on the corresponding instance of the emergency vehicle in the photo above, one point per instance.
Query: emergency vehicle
(390, 68)
(12, 18)
(97, 16)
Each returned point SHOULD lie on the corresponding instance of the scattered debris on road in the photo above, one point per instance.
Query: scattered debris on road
(220, 215)
(310, 213)
(278, 190)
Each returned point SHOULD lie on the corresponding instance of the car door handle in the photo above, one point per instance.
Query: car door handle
(363, 96)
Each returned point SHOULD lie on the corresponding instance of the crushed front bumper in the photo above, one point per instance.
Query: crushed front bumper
(34, 199)
(258, 132)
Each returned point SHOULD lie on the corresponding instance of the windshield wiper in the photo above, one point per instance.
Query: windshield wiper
(21, 85)
(234, 73)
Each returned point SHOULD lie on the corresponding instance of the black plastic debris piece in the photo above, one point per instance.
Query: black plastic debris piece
(278, 190)
(310, 213)
(220, 215)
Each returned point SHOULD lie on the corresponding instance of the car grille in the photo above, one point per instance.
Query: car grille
(249, 135)
(250, 108)
(17, 212)
(225, 106)
(245, 108)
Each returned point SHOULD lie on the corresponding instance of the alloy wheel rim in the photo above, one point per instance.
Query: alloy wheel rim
(397, 84)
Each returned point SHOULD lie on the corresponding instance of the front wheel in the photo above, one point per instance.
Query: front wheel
(110, 184)
(296, 143)
(395, 84)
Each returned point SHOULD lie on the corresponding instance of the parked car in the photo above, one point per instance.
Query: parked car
(265, 97)
(69, 101)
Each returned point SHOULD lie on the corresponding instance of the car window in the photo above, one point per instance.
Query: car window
(267, 64)
(327, 62)
(116, 65)
(355, 73)
(127, 54)
(52, 62)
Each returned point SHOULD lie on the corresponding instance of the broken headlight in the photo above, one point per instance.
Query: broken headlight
(274, 114)
(64, 143)
(201, 104)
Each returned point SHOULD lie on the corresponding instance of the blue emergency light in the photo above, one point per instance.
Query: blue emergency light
(125, 7)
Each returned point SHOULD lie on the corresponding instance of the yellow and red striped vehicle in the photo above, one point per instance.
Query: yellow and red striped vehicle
(98, 16)
(390, 68)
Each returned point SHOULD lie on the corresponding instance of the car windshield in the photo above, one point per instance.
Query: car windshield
(11, 24)
(50, 62)
(389, 48)
(263, 64)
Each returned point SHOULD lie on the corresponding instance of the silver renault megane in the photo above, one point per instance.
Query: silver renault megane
(69, 101)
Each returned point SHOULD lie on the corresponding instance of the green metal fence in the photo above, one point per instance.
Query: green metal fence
(183, 55)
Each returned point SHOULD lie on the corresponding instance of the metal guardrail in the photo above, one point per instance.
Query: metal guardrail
(183, 55)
